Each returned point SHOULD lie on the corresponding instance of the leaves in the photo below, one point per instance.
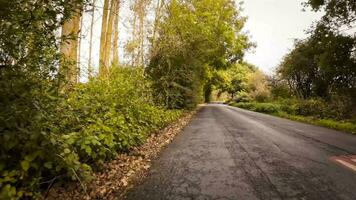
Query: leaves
(25, 165)
(196, 37)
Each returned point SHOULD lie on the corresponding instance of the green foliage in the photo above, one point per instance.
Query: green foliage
(259, 107)
(337, 13)
(196, 37)
(233, 80)
(258, 87)
(346, 126)
(86, 127)
(279, 88)
(29, 97)
(321, 66)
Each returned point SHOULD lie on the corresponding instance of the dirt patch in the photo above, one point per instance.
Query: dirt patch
(125, 171)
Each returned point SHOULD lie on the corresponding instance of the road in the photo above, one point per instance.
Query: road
(230, 153)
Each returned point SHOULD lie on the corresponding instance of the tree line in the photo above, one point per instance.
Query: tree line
(324, 64)
(316, 79)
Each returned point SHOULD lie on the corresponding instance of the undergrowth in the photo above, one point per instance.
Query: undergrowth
(61, 137)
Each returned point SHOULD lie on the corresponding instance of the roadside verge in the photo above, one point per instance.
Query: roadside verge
(126, 170)
(271, 109)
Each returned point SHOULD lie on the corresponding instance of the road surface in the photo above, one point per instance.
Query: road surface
(230, 153)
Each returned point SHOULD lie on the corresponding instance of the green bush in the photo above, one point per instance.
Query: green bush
(259, 107)
(68, 135)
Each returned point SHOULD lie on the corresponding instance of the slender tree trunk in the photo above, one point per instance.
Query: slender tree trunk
(141, 38)
(69, 49)
(90, 64)
(115, 45)
(103, 69)
(133, 57)
(159, 7)
(109, 33)
(79, 46)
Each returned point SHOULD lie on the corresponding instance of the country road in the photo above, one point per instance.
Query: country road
(230, 153)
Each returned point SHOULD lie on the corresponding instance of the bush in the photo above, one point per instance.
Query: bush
(68, 135)
(312, 111)
(259, 107)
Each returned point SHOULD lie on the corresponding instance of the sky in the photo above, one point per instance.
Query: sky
(273, 25)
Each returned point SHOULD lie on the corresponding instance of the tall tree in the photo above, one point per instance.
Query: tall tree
(158, 16)
(104, 69)
(115, 46)
(90, 64)
(109, 32)
(337, 13)
(136, 47)
(69, 48)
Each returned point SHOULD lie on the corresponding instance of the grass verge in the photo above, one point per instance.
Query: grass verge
(277, 110)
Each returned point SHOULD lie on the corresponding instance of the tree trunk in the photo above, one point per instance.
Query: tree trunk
(133, 57)
(90, 64)
(109, 33)
(159, 7)
(141, 47)
(79, 46)
(103, 69)
(115, 45)
(69, 49)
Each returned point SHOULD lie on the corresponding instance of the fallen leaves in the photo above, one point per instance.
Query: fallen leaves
(125, 171)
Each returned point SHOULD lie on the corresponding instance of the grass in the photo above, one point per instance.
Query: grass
(282, 111)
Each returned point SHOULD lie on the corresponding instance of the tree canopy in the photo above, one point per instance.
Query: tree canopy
(196, 37)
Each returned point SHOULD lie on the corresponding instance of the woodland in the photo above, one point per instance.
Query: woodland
(62, 118)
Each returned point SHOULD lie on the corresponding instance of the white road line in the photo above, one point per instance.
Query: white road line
(353, 167)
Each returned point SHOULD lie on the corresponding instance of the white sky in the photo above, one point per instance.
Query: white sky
(273, 25)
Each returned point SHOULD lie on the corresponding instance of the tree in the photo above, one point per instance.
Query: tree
(337, 13)
(115, 45)
(258, 86)
(299, 68)
(158, 16)
(69, 46)
(103, 67)
(234, 79)
(30, 73)
(195, 37)
(90, 64)
(109, 32)
(108, 38)
(321, 65)
(136, 47)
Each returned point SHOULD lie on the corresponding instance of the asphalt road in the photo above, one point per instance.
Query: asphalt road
(230, 153)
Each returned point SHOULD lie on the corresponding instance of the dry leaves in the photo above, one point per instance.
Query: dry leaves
(122, 173)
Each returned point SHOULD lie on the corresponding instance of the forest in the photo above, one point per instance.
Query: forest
(61, 118)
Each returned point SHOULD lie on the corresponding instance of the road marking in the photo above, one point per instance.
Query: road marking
(353, 167)
(347, 161)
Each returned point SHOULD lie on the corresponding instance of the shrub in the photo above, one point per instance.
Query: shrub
(68, 135)
(259, 107)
